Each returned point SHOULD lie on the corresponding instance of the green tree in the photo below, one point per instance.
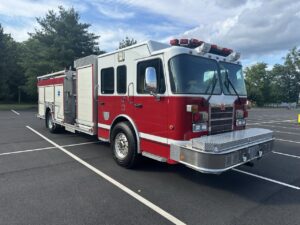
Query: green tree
(60, 39)
(127, 42)
(11, 74)
(258, 83)
(291, 78)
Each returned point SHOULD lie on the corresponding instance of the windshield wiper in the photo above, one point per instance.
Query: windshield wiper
(214, 82)
(231, 84)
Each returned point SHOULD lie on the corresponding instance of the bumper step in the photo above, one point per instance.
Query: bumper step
(221, 152)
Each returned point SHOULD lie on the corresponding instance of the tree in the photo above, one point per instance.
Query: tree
(60, 40)
(291, 77)
(257, 83)
(127, 42)
(11, 75)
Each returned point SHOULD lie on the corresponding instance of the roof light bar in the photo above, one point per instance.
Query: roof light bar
(234, 56)
(184, 42)
(174, 42)
(202, 47)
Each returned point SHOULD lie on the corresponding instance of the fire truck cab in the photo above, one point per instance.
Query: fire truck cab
(179, 103)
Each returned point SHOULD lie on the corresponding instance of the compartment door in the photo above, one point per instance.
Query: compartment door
(41, 101)
(85, 96)
(59, 103)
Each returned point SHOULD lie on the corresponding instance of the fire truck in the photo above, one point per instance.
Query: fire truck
(179, 103)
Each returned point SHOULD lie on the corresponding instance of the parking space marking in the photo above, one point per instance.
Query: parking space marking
(138, 197)
(15, 112)
(268, 179)
(289, 155)
(272, 121)
(46, 148)
(278, 126)
(296, 142)
(284, 132)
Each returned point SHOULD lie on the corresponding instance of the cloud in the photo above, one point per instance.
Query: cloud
(28, 8)
(110, 37)
(229, 4)
(259, 29)
(112, 11)
(18, 17)
(266, 27)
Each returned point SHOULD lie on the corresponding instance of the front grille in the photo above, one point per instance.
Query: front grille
(221, 120)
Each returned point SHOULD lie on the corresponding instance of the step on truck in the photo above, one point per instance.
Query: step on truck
(179, 103)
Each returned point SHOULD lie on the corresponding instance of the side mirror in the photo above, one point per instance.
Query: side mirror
(150, 80)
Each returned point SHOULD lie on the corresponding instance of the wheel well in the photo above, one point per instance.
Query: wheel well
(134, 129)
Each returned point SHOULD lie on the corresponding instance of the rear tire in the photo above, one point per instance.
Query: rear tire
(124, 145)
(52, 127)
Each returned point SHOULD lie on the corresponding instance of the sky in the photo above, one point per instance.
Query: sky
(261, 30)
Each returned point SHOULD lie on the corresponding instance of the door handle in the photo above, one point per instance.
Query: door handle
(137, 105)
(101, 103)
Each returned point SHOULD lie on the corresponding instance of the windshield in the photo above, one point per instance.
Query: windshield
(234, 73)
(194, 75)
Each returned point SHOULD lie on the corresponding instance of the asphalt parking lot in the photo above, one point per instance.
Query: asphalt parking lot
(77, 182)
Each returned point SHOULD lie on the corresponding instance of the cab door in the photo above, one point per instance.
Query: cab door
(150, 109)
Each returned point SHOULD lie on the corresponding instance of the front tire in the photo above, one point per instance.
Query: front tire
(124, 146)
(52, 127)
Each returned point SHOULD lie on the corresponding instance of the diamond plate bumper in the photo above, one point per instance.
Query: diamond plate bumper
(221, 152)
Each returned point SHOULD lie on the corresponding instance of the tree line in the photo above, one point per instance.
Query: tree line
(60, 39)
(280, 84)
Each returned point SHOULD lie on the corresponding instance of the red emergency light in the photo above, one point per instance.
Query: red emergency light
(194, 43)
(184, 42)
(174, 42)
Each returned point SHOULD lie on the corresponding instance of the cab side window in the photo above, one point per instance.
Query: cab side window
(141, 69)
(107, 80)
(121, 79)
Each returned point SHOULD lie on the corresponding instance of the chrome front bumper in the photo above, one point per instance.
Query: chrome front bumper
(221, 152)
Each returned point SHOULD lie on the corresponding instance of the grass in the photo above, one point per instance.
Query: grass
(17, 106)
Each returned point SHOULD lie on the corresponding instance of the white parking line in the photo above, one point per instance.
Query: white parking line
(268, 179)
(46, 148)
(278, 126)
(296, 142)
(289, 155)
(272, 121)
(15, 112)
(284, 132)
(138, 197)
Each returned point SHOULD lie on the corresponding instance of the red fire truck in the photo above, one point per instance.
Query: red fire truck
(178, 103)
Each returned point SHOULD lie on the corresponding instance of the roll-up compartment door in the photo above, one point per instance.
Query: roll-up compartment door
(85, 96)
(59, 102)
(41, 91)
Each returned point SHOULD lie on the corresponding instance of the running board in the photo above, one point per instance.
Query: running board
(155, 157)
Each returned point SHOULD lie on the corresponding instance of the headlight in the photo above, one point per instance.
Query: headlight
(198, 127)
(240, 122)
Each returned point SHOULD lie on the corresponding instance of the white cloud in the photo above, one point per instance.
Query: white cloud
(27, 8)
(114, 12)
(110, 37)
(19, 33)
(18, 17)
(258, 29)
(266, 27)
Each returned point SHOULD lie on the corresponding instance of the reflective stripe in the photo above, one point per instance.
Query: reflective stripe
(104, 126)
(150, 137)
(154, 138)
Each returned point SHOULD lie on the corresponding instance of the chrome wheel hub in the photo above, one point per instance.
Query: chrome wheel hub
(121, 146)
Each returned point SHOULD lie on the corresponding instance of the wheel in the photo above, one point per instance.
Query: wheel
(53, 128)
(124, 146)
